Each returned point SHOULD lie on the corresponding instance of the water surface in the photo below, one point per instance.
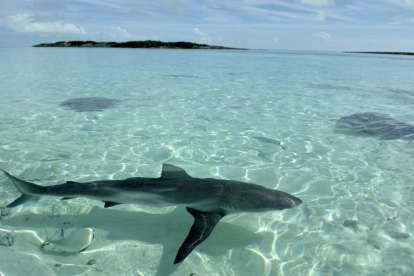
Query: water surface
(255, 116)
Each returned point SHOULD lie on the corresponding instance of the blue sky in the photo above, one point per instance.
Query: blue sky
(324, 25)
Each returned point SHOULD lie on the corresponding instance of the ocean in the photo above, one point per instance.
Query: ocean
(333, 129)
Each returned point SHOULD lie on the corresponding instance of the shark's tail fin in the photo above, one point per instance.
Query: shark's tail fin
(29, 190)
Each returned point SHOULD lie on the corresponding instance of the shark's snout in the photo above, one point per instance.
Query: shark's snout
(295, 201)
(291, 201)
(280, 200)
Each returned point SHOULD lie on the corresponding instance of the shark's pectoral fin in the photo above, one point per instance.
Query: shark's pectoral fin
(110, 204)
(173, 172)
(204, 223)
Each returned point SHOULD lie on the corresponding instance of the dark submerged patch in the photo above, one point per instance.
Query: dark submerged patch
(326, 86)
(181, 76)
(374, 124)
(89, 104)
(268, 140)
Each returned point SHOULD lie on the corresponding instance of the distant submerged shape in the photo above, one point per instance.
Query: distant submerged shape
(374, 124)
(89, 104)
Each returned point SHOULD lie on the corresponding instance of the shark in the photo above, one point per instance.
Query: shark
(208, 200)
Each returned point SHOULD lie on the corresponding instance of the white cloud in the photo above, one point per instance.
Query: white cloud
(203, 38)
(303, 13)
(198, 32)
(318, 3)
(138, 13)
(209, 40)
(322, 35)
(29, 23)
(401, 3)
(401, 21)
(319, 16)
(48, 4)
(353, 8)
(276, 39)
(121, 34)
(26, 23)
(117, 34)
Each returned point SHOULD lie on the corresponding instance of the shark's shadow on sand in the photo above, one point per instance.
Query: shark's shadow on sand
(89, 104)
(169, 230)
(378, 125)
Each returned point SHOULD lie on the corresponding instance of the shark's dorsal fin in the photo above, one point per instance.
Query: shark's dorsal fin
(204, 223)
(173, 172)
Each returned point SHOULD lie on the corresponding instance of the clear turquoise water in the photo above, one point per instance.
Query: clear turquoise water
(201, 110)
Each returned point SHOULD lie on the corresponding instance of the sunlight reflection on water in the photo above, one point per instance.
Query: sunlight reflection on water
(270, 122)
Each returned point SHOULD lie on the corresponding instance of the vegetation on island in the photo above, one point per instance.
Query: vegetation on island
(385, 53)
(134, 44)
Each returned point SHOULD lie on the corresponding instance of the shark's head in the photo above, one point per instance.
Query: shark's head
(274, 200)
(258, 199)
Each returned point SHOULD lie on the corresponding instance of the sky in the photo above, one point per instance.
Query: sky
(316, 25)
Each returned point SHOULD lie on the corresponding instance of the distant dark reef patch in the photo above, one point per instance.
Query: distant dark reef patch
(378, 125)
(89, 104)
(181, 76)
(400, 91)
(326, 86)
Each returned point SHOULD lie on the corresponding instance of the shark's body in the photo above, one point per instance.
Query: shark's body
(207, 200)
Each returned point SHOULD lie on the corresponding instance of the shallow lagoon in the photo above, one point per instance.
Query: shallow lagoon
(255, 116)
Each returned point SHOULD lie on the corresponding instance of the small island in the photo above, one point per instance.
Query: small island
(385, 53)
(135, 44)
